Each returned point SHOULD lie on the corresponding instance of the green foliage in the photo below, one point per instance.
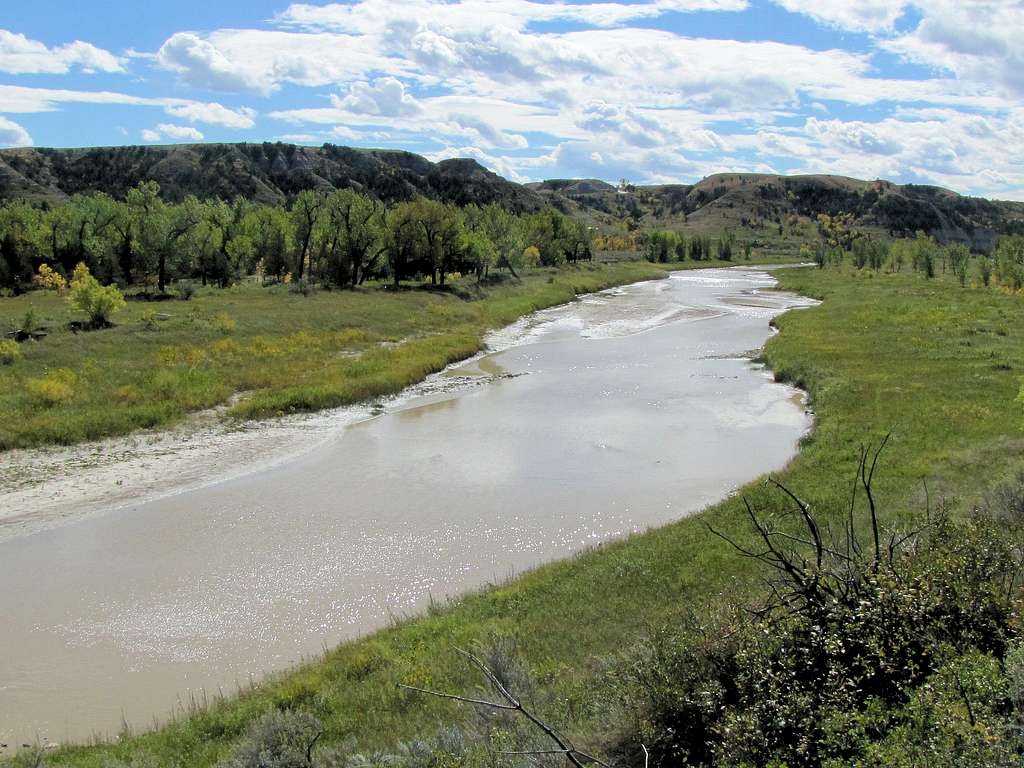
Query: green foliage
(149, 319)
(985, 265)
(725, 245)
(1009, 261)
(223, 323)
(56, 388)
(664, 246)
(959, 258)
(923, 253)
(855, 652)
(97, 301)
(10, 352)
(278, 740)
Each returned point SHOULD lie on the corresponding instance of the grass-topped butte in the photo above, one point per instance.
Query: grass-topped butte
(282, 351)
(936, 364)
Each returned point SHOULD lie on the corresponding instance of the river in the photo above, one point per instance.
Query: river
(624, 410)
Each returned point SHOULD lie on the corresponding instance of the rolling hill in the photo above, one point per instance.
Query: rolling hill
(268, 173)
(770, 207)
(761, 209)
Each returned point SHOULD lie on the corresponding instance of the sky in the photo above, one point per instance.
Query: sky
(653, 91)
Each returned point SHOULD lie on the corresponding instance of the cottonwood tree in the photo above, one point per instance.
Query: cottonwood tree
(158, 227)
(355, 225)
(231, 227)
(305, 213)
(273, 238)
(402, 241)
(959, 258)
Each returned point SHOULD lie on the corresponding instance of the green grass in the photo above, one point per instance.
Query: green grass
(937, 365)
(282, 351)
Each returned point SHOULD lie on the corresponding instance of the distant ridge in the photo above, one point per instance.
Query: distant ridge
(266, 173)
(758, 203)
(749, 204)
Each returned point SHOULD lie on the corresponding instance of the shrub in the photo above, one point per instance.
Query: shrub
(985, 270)
(97, 301)
(278, 740)
(58, 387)
(29, 322)
(186, 289)
(10, 351)
(223, 323)
(149, 319)
(863, 652)
(50, 280)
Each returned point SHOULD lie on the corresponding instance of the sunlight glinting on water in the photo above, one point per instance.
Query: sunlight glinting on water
(621, 411)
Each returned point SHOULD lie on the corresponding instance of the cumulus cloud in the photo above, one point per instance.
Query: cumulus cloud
(202, 64)
(213, 113)
(386, 96)
(977, 40)
(487, 133)
(261, 61)
(20, 55)
(13, 135)
(854, 135)
(171, 131)
(856, 15)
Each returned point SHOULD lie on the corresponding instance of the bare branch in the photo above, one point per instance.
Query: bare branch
(453, 697)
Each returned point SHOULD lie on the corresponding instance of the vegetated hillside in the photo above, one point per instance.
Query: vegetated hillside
(764, 210)
(266, 173)
(770, 207)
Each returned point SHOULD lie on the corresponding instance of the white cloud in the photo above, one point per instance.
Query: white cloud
(20, 99)
(261, 61)
(856, 15)
(20, 55)
(213, 114)
(369, 15)
(386, 97)
(13, 135)
(854, 135)
(171, 131)
(487, 133)
(202, 64)
(977, 40)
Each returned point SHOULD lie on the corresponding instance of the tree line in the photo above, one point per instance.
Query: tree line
(922, 254)
(663, 246)
(341, 238)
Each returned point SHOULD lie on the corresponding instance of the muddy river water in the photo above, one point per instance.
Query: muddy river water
(624, 410)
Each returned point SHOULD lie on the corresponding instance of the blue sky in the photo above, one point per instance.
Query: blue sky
(927, 91)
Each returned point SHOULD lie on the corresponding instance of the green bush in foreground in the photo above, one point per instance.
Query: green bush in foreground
(908, 654)
(97, 301)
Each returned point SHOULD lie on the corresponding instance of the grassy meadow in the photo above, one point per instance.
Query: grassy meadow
(266, 350)
(936, 365)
